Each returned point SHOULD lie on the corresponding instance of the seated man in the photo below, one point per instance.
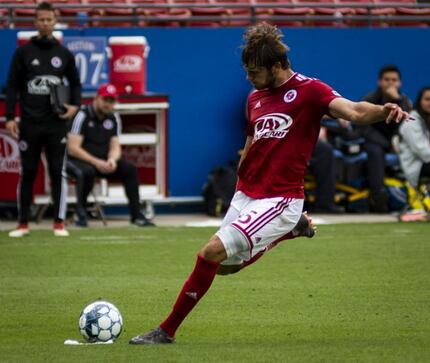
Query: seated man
(94, 151)
(379, 137)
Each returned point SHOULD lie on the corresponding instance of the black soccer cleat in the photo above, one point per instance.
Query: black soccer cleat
(156, 336)
(142, 221)
(304, 227)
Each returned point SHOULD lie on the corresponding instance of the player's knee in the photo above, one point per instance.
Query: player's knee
(214, 250)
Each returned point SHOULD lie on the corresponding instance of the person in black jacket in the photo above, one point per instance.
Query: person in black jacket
(35, 67)
(379, 137)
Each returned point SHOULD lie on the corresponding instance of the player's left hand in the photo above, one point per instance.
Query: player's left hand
(394, 113)
(71, 111)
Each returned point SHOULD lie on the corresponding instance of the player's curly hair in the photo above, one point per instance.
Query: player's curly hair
(264, 47)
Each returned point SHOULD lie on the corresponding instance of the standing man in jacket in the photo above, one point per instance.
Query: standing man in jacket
(35, 67)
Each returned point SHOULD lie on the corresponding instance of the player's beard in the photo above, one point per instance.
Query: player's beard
(271, 81)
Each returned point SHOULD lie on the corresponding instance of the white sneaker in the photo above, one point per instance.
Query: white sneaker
(21, 231)
(60, 231)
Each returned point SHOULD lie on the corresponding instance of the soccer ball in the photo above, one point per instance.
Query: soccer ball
(100, 321)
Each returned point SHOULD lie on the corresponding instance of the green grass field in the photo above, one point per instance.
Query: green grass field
(355, 293)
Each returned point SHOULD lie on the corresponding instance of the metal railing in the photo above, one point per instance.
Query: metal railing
(313, 14)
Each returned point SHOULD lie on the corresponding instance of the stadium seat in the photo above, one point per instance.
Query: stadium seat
(217, 12)
(73, 17)
(111, 11)
(24, 17)
(236, 12)
(3, 18)
(380, 13)
(334, 15)
(159, 13)
(292, 12)
(141, 9)
(262, 12)
(402, 11)
(387, 10)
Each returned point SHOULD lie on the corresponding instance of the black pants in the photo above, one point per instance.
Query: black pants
(323, 167)
(85, 173)
(375, 167)
(425, 171)
(33, 138)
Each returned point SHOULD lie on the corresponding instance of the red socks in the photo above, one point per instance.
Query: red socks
(193, 290)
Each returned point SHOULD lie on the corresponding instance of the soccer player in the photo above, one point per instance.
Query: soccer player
(284, 120)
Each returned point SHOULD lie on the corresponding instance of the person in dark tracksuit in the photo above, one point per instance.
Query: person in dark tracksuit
(35, 66)
(94, 151)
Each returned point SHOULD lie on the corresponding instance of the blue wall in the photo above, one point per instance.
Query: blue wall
(200, 70)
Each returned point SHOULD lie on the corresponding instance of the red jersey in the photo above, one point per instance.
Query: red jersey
(284, 123)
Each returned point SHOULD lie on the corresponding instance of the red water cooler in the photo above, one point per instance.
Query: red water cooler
(128, 63)
(23, 37)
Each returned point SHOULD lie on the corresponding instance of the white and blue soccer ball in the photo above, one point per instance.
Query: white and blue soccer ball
(100, 321)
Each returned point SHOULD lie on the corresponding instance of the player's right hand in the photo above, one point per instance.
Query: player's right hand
(394, 113)
(13, 128)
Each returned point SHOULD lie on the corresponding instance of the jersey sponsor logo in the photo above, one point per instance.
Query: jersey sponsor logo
(272, 125)
(39, 85)
(290, 96)
(108, 124)
(258, 105)
(9, 154)
(128, 63)
(56, 62)
(35, 62)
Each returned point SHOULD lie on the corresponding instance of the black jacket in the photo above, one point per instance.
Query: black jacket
(34, 66)
(382, 133)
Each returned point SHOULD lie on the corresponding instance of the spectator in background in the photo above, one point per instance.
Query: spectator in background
(35, 67)
(415, 147)
(380, 136)
(94, 150)
(322, 166)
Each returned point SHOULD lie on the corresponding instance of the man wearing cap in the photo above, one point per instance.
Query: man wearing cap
(94, 151)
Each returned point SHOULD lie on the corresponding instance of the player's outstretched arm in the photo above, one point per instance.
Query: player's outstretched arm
(363, 112)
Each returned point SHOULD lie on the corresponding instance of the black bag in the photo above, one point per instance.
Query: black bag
(219, 189)
(60, 95)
